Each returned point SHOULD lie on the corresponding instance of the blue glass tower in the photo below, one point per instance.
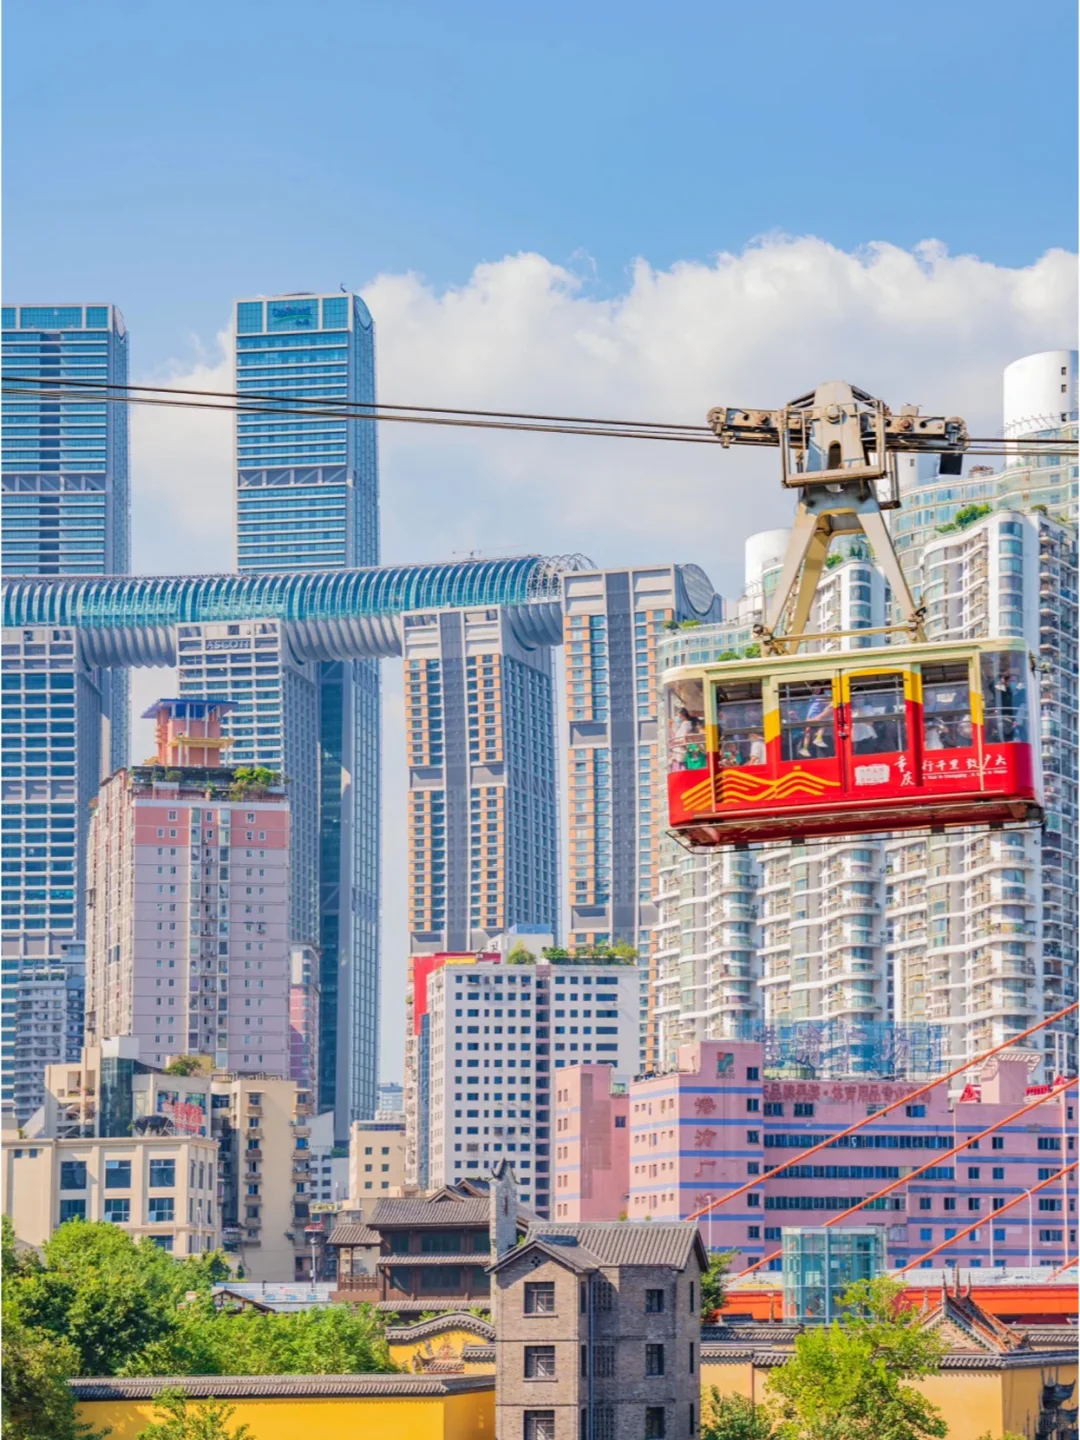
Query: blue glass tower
(308, 499)
(65, 511)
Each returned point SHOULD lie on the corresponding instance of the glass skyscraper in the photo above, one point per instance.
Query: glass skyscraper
(66, 511)
(307, 498)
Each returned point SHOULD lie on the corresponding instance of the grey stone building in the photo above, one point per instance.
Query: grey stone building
(598, 1333)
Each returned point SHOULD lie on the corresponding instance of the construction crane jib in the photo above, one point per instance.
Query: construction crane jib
(838, 449)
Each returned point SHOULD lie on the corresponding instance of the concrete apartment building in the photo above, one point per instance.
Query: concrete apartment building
(484, 1039)
(714, 1123)
(592, 1144)
(376, 1156)
(259, 1128)
(187, 904)
(598, 1332)
(158, 1187)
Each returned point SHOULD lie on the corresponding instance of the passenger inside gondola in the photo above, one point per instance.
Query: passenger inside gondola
(740, 723)
(807, 729)
(686, 726)
(946, 707)
(1005, 705)
(878, 714)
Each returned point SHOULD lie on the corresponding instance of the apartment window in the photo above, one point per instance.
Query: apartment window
(72, 1210)
(117, 1175)
(997, 1142)
(915, 1112)
(974, 1172)
(654, 1302)
(998, 1172)
(73, 1175)
(118, 1211)
(539, 1425)
(753, 1072)
(604, 1361)
(162, 1174)
(691, 1357)
(654, 1359)
(949, 1203)
(753, 1232)
(161, 1208)
(925, 1202)
(773, 1107)
(539, 1362)
(655, 1428)
(974, 1203)
(539, 1297)
(752, 1107)
(803, 1108)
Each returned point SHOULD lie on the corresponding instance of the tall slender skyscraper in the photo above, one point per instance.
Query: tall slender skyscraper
(65, 512)
(613, 620)
(481, 753)
(307, 499)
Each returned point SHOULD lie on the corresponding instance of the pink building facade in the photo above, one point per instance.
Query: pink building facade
(187, 914)
(715, 1123)
(592, 1145)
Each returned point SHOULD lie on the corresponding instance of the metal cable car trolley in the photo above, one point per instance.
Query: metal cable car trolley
(905, 735)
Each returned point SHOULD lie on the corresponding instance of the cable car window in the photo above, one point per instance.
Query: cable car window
(686, 725)
(740, 722)
(878, 715)
(1005, 702)
(946, 707)
(807, 731)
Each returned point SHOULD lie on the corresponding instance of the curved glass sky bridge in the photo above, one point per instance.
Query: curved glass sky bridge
(332, 614)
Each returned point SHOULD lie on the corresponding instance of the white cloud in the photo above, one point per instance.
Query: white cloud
(756, 328)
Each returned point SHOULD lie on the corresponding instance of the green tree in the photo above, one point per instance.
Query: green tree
(734, 1417)
(965, 516)
(331, 1340)
(185, 1065)
(847, 1380)
(106, 1295)
(521, 955)
(714, 1283)
(37, 1403)
(183, 1419)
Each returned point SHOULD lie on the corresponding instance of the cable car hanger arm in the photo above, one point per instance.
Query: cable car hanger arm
(838, 448)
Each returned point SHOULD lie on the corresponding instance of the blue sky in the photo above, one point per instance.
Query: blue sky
(173, 157)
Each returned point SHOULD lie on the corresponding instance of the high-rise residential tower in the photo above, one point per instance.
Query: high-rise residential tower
(480, 744)
(65, 512)
(307, 499)
(613, 621)
(187, 904)
(484, 1037)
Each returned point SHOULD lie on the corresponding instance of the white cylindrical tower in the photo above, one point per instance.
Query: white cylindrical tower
(763, 550)
(1039, 392)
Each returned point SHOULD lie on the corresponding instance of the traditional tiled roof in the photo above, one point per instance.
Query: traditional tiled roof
(445, 1304)
(353, 1235)
(480, 1257)
(965, 1325)
(238, 1387)
(428, 1329)
(432, 1210)
(625, 1242)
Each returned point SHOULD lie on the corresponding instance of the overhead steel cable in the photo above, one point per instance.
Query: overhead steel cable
(966, 1144)
(994, 1215)
(258, 403)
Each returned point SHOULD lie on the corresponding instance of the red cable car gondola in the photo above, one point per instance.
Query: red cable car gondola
(905, 737)
(846, 741)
